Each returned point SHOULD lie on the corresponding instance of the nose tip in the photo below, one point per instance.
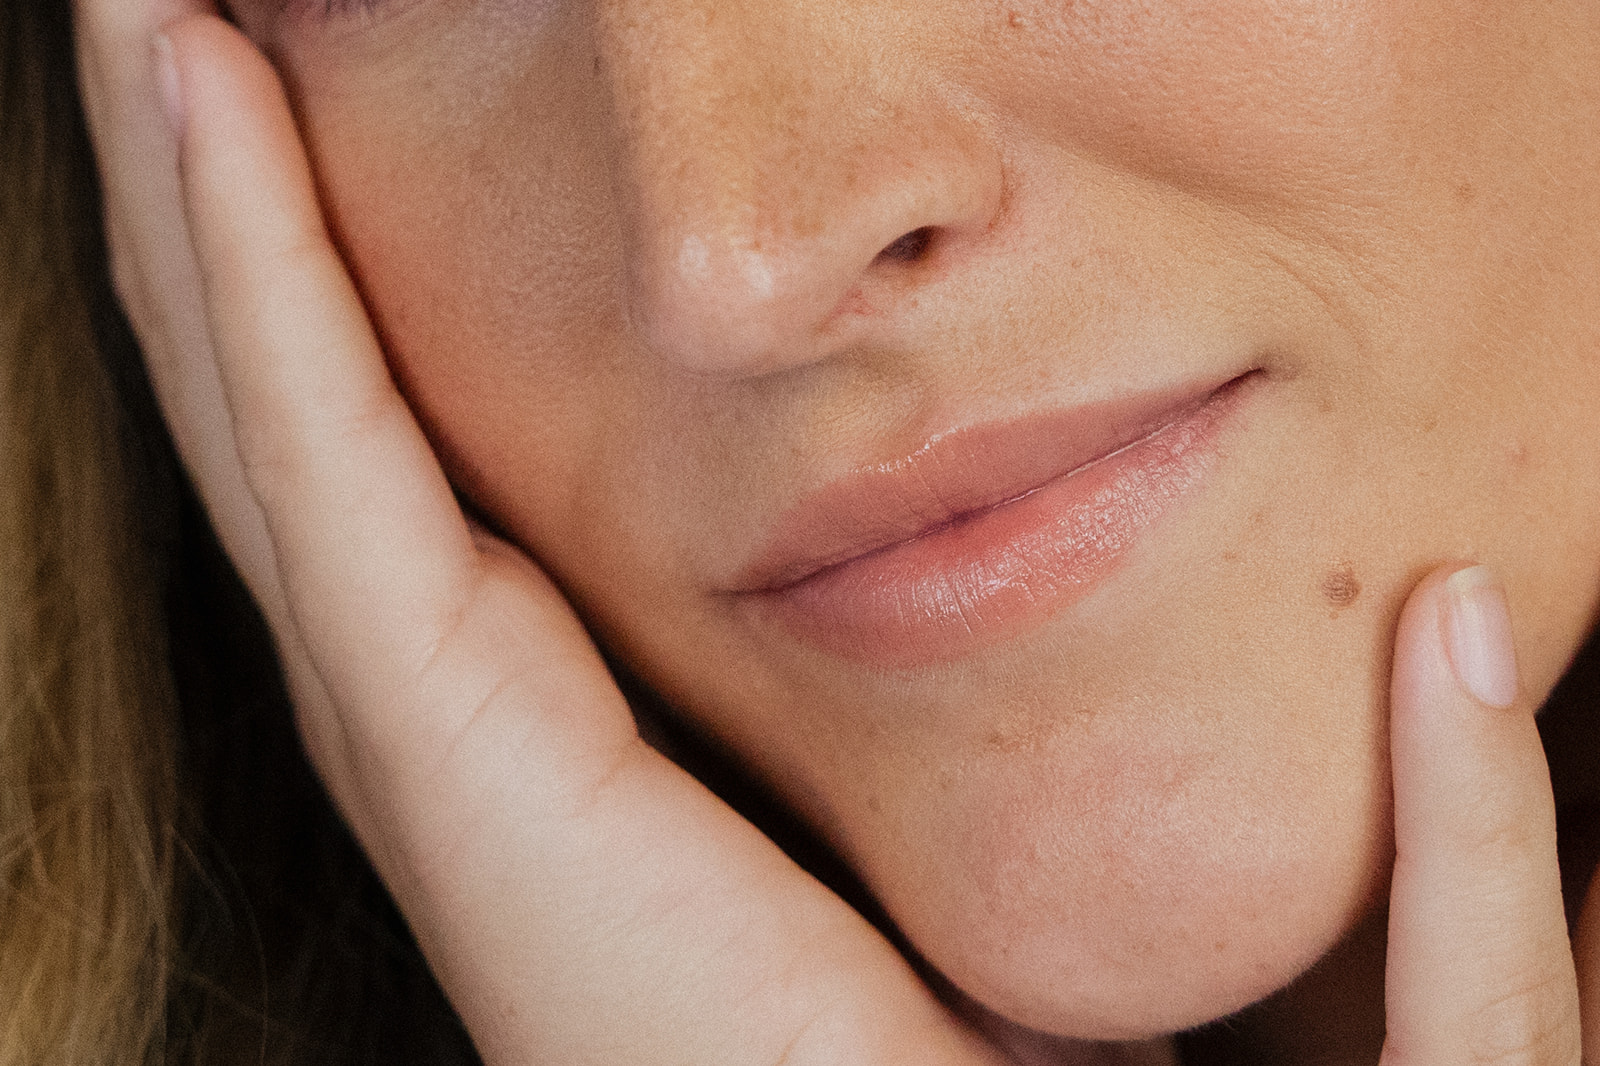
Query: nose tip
(726, 304)
(744, 305)
(714, 296)
(779, 177)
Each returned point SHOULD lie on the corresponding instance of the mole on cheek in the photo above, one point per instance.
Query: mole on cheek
(1340, 587)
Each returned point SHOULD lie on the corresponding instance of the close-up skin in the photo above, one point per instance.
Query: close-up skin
(634, 265)
(1116, 480)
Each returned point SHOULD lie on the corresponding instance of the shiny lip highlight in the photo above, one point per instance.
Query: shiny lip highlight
(983, 531)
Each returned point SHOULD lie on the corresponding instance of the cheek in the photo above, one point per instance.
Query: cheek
(1253, 101)
(464, 197)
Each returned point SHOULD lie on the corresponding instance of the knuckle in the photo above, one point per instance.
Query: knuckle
(1534, 1025)
(1495, 828)
(267, 462)
(285, 448)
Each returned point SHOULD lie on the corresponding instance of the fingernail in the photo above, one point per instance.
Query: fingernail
(1478, 635)
(170, 84)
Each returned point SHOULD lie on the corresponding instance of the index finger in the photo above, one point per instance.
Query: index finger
(143, 213)
(1479, 966)
(371, 549)
(152, 261)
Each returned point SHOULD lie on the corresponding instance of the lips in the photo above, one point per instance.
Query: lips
(985, 532)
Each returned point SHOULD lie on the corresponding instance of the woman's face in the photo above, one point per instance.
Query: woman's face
(759, 323)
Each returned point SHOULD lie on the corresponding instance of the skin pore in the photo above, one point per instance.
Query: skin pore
(627, 262)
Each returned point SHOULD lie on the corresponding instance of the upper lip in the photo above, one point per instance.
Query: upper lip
(955, 476)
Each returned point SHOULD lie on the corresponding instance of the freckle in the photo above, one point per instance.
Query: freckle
(855, 302)
(1340, 587)
(1429, 425)
(1230, 557)
(1466, 193)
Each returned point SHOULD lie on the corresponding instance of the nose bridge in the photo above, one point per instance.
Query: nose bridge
(765, 157)
(719, 94)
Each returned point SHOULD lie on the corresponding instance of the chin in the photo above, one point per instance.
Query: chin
(1120, 939)
(1142, 870)
(1110, 969)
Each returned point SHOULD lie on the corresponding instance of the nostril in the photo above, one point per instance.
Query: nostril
(911, 248)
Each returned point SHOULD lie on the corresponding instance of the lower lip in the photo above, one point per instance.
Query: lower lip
(990, 575)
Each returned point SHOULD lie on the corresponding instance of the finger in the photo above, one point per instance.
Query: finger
(372, 550)
(144, 214)
(153, 263)
(133, 143)
(1479, 965)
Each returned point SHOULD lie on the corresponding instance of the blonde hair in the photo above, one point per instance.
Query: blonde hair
(86, 767)
(174, 885)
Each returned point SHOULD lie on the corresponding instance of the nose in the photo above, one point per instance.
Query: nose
(783, 170)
